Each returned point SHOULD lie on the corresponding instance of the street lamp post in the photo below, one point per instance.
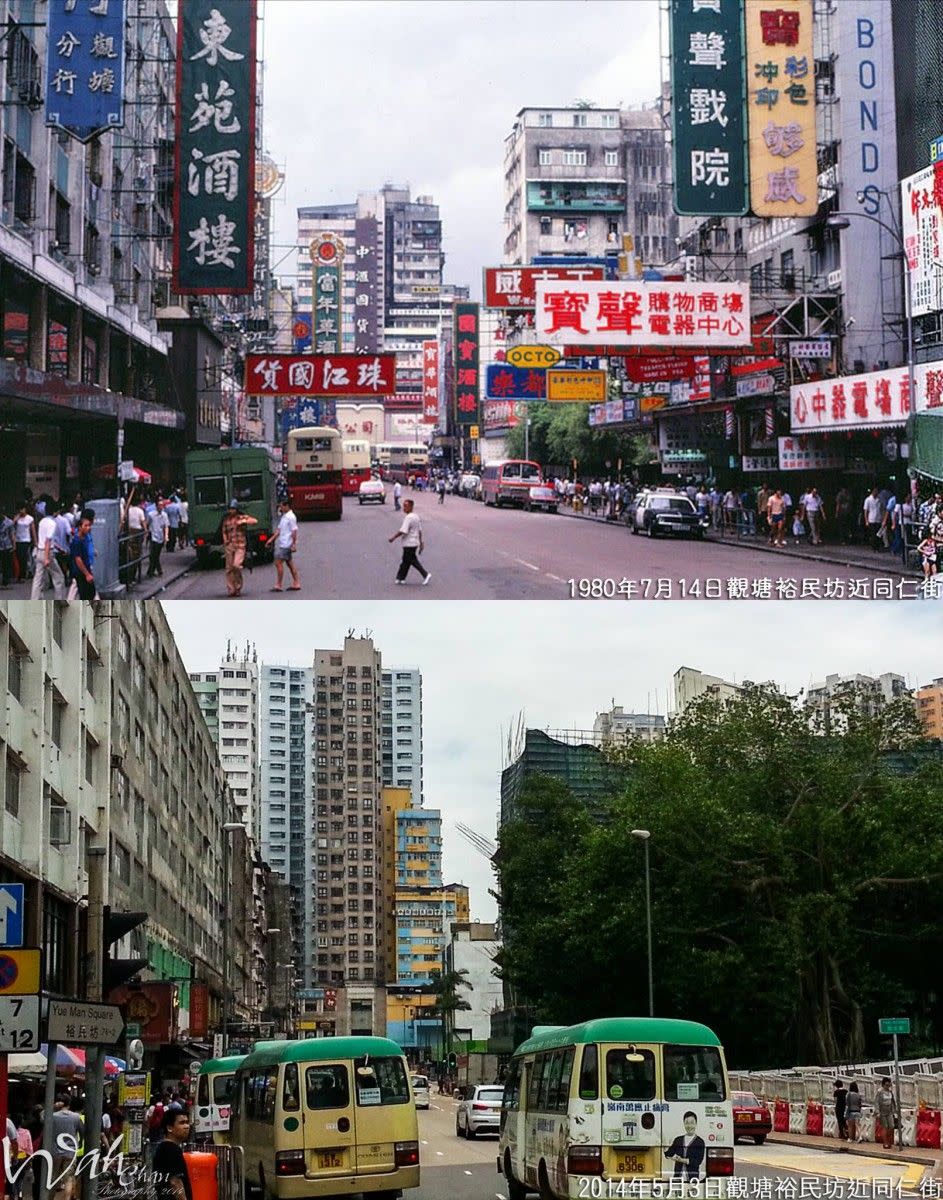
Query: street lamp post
(645, 835)
(228, 828)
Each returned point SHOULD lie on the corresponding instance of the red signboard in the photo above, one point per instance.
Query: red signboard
(659, 368)
(199, 1010)
(430, 383)
(151, 1006)
(320, 374)
(514, 287)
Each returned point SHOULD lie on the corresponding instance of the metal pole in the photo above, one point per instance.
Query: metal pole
(526, 434)
(49, 1103)
(226, 912)
(648, 922)
(900, 1119)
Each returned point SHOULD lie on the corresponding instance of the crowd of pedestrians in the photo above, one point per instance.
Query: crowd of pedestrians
(151, 524)
(47, 543)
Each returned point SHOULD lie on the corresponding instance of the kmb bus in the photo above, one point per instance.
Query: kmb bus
(509, 482)
(408, 462)
(356, 469)
(313, 470)
(590, 1108)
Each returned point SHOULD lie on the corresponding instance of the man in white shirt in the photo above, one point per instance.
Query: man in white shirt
(46, 570)
(136, 526)
(157, 536)
(873, 516)
(813, 510)
(286, 543)
(397, 492)
(411, 533)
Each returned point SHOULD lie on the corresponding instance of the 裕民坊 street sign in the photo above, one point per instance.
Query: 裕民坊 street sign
(84, 1023)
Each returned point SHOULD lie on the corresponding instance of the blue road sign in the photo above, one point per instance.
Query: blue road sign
(11, 914)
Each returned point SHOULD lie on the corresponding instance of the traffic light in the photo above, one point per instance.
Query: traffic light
(453, 1061)
(116, 971)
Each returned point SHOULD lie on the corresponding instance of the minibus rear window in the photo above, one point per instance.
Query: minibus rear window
(223, 1086)
(327, 1086)
(381, 1081)
(291, 1100)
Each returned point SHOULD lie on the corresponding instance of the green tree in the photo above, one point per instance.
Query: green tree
(561, 432)
(449, 1000)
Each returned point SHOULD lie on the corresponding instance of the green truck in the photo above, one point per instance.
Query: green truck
(214, 478)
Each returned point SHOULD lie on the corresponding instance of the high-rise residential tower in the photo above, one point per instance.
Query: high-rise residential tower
(401, 731)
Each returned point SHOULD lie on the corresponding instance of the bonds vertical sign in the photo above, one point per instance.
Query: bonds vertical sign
(708, 107)
(467, 358)
(215, 147)
(327, 257)
(85, 66)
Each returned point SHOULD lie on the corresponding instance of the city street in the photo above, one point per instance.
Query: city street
(474, 552)
(455, 1169)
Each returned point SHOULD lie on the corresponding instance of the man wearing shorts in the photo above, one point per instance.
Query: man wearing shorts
(286, 543)
(776, 517)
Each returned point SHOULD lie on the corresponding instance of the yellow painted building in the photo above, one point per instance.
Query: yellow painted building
(929, 700)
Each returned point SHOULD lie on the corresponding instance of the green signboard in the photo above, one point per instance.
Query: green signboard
(708, 107)
(214, 197)
(894, 1025)
(327, 257)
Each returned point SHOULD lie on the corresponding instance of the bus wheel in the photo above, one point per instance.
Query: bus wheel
(515, 1190)
(543, 1184)
(202, 558)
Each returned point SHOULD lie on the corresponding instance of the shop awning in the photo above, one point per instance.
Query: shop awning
(926, 445)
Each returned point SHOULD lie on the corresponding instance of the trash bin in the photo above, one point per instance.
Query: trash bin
(105, 532)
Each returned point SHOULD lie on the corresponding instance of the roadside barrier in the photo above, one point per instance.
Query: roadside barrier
(814, 1118)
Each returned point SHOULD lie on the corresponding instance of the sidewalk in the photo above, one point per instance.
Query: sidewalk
(174, 566)
(842, 556)
(913, 1154)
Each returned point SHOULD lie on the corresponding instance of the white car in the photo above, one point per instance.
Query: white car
(470, 485)
(420, 1090)
(541, 496)
(371, 489)
(480, 1112)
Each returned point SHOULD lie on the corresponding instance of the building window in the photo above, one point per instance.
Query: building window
(574, 158)
(579, 120)
(15, 672)
(57, 339)
(545, 157)
(12, 795)
(19, 187)
(612, 158)
(55, 945)
(609, 120)
(546, 226)
(58, 712)
(58, 612)
(545, 120)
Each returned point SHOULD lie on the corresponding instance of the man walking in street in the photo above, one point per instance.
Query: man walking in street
(840, 1096)
(776, 517)
(887, 1112)
(411, 533)
(286, 543)
(82, 556)
(172, 512)
(157, 536)
(46, 571)
(397, 493)
(234, 546)
(169, 1165)
(440, 488)
(814, 512)
(873, 516)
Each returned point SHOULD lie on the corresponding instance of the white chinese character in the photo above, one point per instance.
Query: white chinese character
(64, 79)
(708, 104)
(268, 369)
(216, 111)
(326, 304)
(707, 50)
(309, 415)
(361, 277)
(214, 243)
(326, 345)
(710, 167)
(362, 324)
(102, 81)
(301, 374)
(362, 251)
(334, 376)
(508, 282)
(103, 47)
(327, 282)
(100, 9)
(705, 6)
(362, 300)
(431, 353)
(66, 44)
(368, 375)
(215, 31)
(432, 373)
(220, 175)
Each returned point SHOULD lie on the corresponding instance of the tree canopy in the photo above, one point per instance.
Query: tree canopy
(560, 432)
(797, 882)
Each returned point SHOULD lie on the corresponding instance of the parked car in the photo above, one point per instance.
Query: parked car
(480, 1111)
(666, 511)
(371, 489)
(470, 485)
(420, 1090)
(750, 1117)
(541, 496)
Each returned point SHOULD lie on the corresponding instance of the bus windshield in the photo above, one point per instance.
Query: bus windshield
(694, 1073)
(223, 1089)
(309, 444)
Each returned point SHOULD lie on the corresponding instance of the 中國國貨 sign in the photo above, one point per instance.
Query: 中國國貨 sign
(320, 374)
(708, 107)
(644, 313)
(215, 147)
(85, 66)
(781, 104)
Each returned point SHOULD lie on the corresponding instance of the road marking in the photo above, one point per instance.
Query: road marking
(524, 563)
(440, 1153)
(556, 577)
(468, 1172)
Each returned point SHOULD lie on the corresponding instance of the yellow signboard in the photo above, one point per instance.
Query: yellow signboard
(533, 356)
(781, 107)
(19, 972)
(649, 404)
(473, 431)
(584, 387)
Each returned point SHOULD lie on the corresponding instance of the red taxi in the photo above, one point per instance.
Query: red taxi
(750, 1117)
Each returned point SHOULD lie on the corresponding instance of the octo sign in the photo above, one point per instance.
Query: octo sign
(533, 356)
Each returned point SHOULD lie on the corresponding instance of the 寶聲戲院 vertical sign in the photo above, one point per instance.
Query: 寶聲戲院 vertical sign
(467, 355)
(708, 107)
(327, 257)
(215, 147)
(781, 105)
(85, 66)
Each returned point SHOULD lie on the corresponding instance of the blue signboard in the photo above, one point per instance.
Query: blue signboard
(301, 332)
(11, 914)
(936, 150)
(306, 410)
(515, 383)
(85, 66)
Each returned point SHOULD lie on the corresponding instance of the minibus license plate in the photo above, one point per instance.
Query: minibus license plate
(329, 1159)
(630, 1164)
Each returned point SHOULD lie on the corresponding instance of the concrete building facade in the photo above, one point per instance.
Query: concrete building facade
(690, 684)
(868, 694)
(471, 951)
(929, 701)
(617, 725)
(401, 731)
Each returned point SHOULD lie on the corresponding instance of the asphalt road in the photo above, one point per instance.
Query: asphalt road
(474, 552)
(455, 1169)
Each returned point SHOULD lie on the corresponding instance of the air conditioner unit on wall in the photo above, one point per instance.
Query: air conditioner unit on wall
(833, 279)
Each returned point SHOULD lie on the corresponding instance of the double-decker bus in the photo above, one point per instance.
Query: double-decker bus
(588, 1108)
(381, 456)
(509, 482)
(356, 468)
(313, 471)
(408, 462)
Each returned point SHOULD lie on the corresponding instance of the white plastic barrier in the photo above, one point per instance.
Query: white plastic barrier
(796, 1117)
(829, 1123)
(866, 1125)
(908, 1124)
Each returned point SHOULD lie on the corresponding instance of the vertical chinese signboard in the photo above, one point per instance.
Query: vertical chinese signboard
(85, 66)
(366, 338)
(781, 105)
(922, 209)
(430, 383)
(214, 196)
(327, 256)
(708, 107)
(467, 357)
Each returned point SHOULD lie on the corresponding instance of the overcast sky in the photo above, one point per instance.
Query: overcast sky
(363, 92)
(484, 663)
